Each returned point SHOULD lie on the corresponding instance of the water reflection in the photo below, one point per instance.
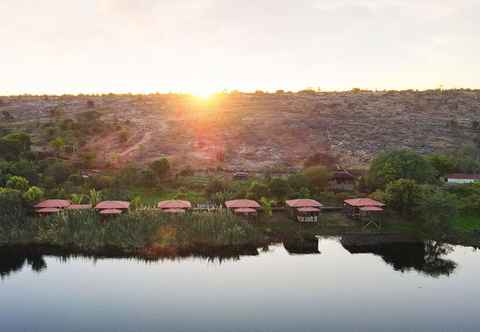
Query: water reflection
(404, 254)
(302, 246)
(12, 259)
(15, 258)
(426, 257)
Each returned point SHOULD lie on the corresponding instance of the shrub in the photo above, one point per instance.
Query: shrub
(18, 183)
(123, 136)
(10, 200)
(258, 190)
(33, 194)
(13, 145)
(160, 167)
(279, 188)
(214, 186)
(318, 177)
(437, 208)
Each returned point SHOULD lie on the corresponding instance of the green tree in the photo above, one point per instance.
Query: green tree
(318, 177)
(59, 171)
(58, 145)
(404, 196)
(258, 190)
(400, 164)
(87, 159)
(279, 188)
(160, 167)
(26, 168)
(298, 181)
(266, 206)
(215, 186)
(14, 145)
(33, 194)
(442, 163)
(437, 208)
(148, 178)
(18, 183)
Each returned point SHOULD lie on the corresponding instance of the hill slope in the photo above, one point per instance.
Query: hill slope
(253, 131)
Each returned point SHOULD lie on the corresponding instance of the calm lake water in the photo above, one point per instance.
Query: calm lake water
(327, 285)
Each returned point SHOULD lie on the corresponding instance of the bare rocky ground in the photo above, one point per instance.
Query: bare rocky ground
(259, 131)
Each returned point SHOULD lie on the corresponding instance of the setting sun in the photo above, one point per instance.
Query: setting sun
(204, 93)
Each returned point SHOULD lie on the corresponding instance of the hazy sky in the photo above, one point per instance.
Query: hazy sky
(68, 46)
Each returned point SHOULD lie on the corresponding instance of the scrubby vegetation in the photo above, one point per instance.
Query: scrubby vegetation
(136, 232)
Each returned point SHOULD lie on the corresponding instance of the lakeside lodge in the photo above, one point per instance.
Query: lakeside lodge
(302, 210)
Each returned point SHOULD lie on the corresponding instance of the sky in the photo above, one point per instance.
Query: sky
(203, 46)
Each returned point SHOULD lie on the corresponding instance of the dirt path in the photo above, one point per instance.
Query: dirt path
(146, 137)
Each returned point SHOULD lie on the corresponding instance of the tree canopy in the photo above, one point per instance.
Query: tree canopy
(400, 164)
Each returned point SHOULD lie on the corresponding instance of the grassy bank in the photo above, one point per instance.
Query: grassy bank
(133, 232)
(151, 233)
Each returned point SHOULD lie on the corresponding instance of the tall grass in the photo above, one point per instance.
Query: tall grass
(131, 232)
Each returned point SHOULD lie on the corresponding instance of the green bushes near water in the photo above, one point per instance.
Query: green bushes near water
(131, 232)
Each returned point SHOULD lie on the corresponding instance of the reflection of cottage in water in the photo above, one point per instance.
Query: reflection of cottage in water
(302, 246)
(403, 254)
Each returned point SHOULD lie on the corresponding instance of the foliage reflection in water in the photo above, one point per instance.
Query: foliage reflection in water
(402, 254)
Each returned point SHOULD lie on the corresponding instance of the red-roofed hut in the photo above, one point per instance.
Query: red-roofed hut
(242, 203)
(246, 207)
(116, 205)
(174, 205)
(303, 209)
(53, 203)
(110, 208)
(364, 208)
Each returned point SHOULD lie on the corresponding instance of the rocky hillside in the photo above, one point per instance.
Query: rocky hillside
(251, 131)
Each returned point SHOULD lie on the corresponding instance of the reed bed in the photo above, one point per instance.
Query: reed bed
(86, 230)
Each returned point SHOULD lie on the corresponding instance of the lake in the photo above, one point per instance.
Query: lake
(329, 284)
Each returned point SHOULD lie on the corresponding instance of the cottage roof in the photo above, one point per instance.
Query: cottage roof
(242, 203)
(303, 202)
(174, 204)
(119, 205)
(53, 203)
(460, 176)
(361, 202)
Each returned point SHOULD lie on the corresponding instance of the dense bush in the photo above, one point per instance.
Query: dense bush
(390, 166)
(14, 145)
(318, 177)
(18, 183)
(10, 200)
